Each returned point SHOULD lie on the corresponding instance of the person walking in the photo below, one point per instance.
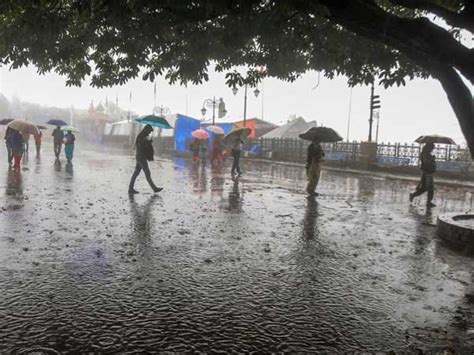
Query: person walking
(38, 137)
(144, 153)
(58, 135)
(8, 131)
(236, 150)
(26, 143)
(216, 152)
(195, 148)
(69, 140)
(428, 168)
(17, 147)
(313, 166)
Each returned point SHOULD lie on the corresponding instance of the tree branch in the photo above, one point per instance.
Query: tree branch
(463, 19)
(418, 37)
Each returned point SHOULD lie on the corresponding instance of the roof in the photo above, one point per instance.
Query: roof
(290, 130)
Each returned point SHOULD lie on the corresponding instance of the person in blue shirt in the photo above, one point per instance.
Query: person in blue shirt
(16, 143)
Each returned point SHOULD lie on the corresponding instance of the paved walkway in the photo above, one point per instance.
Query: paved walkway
(213, 265)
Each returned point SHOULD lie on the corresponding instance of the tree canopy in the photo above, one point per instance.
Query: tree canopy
(112, 41)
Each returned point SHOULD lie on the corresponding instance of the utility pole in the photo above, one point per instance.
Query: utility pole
(349, 116)
(374, 105)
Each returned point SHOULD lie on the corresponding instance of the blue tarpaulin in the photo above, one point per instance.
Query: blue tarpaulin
(184, 126)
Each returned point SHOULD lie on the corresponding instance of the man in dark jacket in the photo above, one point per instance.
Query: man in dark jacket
(313, 166)
(428, 168)
(58, 135)
(144, 152)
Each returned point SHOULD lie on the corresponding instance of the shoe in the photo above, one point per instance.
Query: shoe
(412, 197)
(157, 189)
(430, 204)
(132, 191)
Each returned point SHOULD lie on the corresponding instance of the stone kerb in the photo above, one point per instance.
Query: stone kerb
(457, 230)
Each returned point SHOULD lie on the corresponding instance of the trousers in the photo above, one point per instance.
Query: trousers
(142, 164)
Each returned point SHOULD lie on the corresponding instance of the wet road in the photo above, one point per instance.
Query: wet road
(212, 265)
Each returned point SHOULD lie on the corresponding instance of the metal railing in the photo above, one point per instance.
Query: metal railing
(295, 149)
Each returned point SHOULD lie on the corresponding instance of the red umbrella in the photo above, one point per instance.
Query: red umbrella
(200, 134)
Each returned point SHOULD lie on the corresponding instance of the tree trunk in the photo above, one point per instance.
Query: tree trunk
(460, 98)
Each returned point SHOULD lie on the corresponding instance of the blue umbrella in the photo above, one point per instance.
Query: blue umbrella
(56, 122)
(155, 121)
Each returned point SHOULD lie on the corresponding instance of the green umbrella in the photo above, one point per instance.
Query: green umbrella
(69, 129)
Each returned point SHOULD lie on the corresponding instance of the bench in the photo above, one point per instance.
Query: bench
(456, 166)
(393, 161)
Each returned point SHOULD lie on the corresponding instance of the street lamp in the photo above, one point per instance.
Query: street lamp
(161, 110)
(211, 104)
(256, 93)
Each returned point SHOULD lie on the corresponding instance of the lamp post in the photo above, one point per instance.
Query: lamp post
(211, 104)
(256, 93)
(161, 110)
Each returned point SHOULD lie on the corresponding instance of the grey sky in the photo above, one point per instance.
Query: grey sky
(420, 107)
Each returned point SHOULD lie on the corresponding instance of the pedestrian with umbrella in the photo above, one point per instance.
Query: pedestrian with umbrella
(199, 146)
(16, 143)
(58, 135)
(69, 140)
(428, 166)
(19, 129)
(315, 156)
(235, 139)
(58, 138)
(144, 150)
(216, 149)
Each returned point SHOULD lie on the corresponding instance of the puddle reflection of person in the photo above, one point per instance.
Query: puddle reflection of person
(235, 198)
(14, 183)
(217, 180)
(142, 222)
(57, 165)
(310, 218)
(69, 168)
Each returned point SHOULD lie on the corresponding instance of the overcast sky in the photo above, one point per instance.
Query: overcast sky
(421, 107)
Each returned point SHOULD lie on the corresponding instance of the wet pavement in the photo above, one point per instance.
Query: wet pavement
(214, 265)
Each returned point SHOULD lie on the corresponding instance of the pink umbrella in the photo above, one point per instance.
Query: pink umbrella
(200, 134)
(215, 129)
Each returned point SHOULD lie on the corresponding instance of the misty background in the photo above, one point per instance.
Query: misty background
(420, 107)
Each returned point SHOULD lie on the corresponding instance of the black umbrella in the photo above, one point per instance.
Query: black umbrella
(5, 121)
(435, 139)
(321, 134)
(56, 122)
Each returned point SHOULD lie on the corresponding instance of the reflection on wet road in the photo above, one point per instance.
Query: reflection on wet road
(216, 265)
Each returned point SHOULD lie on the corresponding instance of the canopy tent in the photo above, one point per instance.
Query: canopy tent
(258, 127)
(183, 128)
(291, 129)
